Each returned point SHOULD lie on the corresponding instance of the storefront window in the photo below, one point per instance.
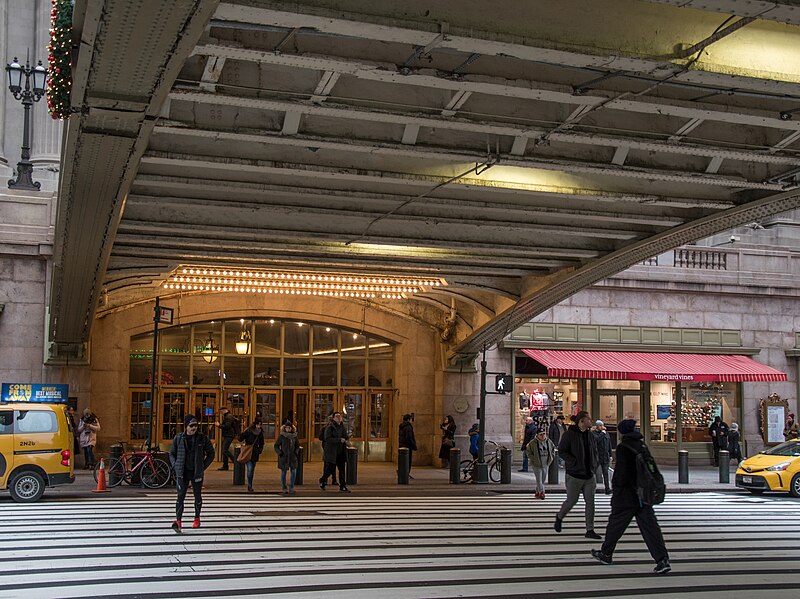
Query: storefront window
(543, 399)
(353, 372)
(701, 403)
(295, 372)
(353, 345)
(174, 370)
(380, 373)
(237, 371)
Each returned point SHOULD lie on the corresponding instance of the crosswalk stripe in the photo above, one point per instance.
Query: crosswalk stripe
(411, 546)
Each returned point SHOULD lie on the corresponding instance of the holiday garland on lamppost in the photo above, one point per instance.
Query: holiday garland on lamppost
(59, 80)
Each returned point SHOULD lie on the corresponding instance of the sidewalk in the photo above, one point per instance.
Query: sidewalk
(380, 478)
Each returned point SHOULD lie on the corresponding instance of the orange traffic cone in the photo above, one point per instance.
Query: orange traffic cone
(101, 479)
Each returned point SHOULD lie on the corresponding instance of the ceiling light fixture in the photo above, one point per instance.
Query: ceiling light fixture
(299, 283)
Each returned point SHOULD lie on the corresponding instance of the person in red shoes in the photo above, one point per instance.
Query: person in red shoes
(191, 453)
(541, 453)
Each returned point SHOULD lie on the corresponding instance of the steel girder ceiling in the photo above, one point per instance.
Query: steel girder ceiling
(521, 152)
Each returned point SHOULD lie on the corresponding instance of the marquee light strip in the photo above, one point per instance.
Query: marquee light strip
(298, 283)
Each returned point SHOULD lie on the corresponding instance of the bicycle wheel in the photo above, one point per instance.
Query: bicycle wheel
(156, 473)
(494, 472)
(115, 467)
(466, 467)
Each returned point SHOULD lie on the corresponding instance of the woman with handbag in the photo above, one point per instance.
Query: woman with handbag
(253, 439)
(448, 427)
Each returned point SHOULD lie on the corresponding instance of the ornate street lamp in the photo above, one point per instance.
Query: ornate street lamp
(27, 95)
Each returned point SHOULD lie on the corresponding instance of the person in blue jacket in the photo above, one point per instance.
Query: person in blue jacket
(473, 433)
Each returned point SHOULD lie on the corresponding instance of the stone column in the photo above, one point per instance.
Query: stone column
(5, 169)
(46, 145)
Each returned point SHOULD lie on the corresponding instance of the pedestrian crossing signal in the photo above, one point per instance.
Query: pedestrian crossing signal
(503, 383)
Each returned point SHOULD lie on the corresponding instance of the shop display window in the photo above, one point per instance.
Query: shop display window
(543, 399)
(701, 403)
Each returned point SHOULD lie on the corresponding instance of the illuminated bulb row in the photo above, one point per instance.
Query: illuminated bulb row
(322, 292)
(311, 277)
(296, 284)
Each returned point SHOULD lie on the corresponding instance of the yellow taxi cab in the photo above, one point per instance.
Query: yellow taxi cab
(36, 448)
(775, 469)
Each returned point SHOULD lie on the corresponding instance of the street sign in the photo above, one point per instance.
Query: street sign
(503, 383)
(163, 315)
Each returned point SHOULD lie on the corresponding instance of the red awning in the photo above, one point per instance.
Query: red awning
(640, 366)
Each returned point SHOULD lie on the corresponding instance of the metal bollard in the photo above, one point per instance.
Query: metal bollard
(352, 466)
(114, 453)
(724, 466)
(505, 466)
(455, 465)
(403, 464)
(683, 467)
(298, 479)
(238, 467)
(552, 472)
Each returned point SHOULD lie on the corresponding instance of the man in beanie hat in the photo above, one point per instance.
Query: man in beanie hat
(625, 503)
(577, 447)
(191, 453)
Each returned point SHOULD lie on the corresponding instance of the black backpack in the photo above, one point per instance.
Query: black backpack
(649, 482)
(321, 435)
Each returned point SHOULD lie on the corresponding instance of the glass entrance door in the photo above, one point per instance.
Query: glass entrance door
(324, 404)
(619, 405)
(173, 409)
(378, 444)
(204, 408)
(267, 410)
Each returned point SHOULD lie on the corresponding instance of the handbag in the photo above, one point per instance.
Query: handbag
(245, 453)
(448, 442)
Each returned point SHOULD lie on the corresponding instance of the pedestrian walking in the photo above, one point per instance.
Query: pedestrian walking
(228, 428)
(288, 451)
(626, 504)
(719, 436)
(577, 447)
(540, 452)
(87, 431)
(406, 439)
(448, 428)
(253, 438)
(474, 437)
(734, 448)
(334, 452)
(530, 431)
(603, 442)
(191, 453)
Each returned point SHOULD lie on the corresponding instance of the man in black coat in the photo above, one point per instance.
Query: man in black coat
(719, 437)
(191, 453)
(530, 433)
(406, 439)
(577, 447)
(228, 431)
(626, 505)
(603, 442)
(334, 452)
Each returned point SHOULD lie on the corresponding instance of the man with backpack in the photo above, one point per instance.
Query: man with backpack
(637, 485)
(229, 429)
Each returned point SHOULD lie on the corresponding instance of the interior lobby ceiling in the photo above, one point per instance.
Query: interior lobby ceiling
(518, 151)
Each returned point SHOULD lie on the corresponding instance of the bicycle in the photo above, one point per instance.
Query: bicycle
(154, 472)
(467, 467)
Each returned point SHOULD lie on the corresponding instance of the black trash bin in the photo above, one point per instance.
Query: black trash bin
(455, 465)
(352, 466)
(301, 455)
(505, 466)
(238, 467)
(403, 465)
